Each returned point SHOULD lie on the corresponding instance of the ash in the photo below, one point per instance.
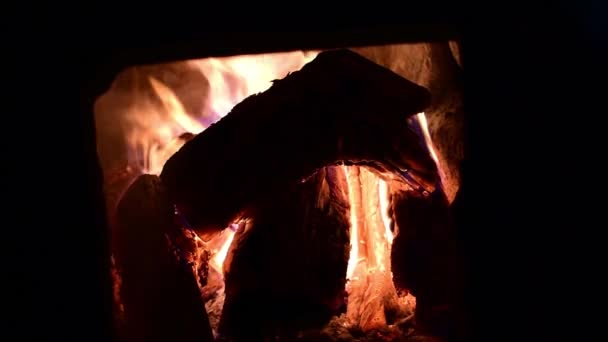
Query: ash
(340, 329)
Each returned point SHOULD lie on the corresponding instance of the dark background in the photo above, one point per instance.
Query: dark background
(531, 209)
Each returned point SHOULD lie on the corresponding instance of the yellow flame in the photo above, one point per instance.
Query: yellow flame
(427, 135)
(384, 203)
(232, 79)
(354, 239)
(174, 107)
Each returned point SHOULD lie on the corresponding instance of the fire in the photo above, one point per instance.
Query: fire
(384, 201)
(231, 79)
(153, 129)
(218, 246)
(145, 117)
(424, 127)
(420, 125)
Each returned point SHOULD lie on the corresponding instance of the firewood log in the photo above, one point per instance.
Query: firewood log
(160, 295)
(116, 182)
(425, 258)
(117, 179)
(437, 66)
(339, 107)
(287, 271)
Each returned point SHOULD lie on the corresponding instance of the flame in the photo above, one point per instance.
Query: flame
(232, 79)
(152, 118)
(384, 202)
(421, 122)
(222, 244)
(353, 257)
(424, 127)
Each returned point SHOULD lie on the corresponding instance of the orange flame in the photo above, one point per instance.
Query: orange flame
(219, 246)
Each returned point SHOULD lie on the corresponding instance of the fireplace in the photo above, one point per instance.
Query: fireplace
(297, 195)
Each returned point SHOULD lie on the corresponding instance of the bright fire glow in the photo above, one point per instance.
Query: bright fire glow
(354, 244)
(152, 118)
(148, 117)
(384, 201)
(232, 79)
(422, 123)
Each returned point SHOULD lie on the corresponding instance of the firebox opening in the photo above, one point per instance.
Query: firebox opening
(308, 259)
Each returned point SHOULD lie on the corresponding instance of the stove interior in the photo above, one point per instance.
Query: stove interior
(293, 196)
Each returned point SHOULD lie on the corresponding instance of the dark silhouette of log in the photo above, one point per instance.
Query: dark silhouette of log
(426, 260)
(159, 290)
(287, 270)
(339, 107)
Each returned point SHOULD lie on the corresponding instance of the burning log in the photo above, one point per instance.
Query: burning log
(161, 299)
(371, 291)
(339, 107)
(425, 259)
(286, 270)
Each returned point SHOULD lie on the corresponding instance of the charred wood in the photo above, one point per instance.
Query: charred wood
(287, 270)
(339, 107)
(159, 291)
(116, 182)
(425, 259)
